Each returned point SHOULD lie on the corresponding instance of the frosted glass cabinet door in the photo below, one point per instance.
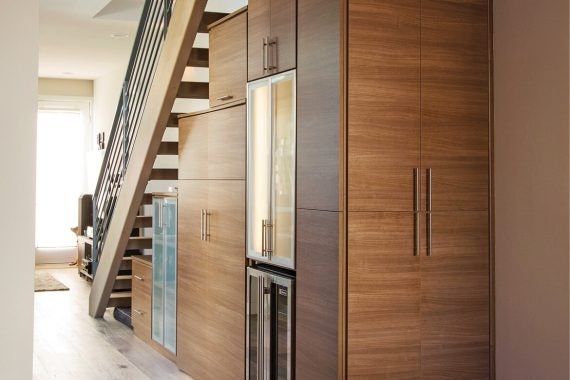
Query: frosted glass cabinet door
(158, 274)
(170, 275)
(271, 143)
(283, 169)
(259, 166)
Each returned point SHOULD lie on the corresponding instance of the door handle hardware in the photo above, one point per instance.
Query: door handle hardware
(417, 214)
(264, 54)
(269, 239)
(206, 225)
(140, 278)
(263, 236)
(272, 54)
(139, 312)
(428, 212)
(225, 97)
(202, 224)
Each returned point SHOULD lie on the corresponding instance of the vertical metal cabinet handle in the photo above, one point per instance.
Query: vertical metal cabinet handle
(202, 224)
(417, 213)
(264, 54)
(207, 225)
(272, 58)
(263, 238)
(269, 238)
(428, 212)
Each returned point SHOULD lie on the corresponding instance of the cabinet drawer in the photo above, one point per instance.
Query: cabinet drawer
(142, 301)
(212, 144)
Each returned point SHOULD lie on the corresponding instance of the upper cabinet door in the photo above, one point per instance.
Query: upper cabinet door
(272, 35)
(228, 48)
(455, 103)
(383, 104)
(212, 145)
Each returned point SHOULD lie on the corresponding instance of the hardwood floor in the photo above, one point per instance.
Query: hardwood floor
(68, 344)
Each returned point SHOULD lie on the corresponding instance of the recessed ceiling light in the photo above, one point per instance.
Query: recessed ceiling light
(119, 35)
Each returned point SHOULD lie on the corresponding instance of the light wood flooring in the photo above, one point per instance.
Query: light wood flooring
(68, 344)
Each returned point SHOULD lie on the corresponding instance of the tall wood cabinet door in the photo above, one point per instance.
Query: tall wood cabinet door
(211, 327)
(226, 256)
(383, 297)
(193, 277)
(228, 60)
(455, 298)
(455, 102)
(383, 104)
(283, 28)
(212, 145)
(258, 12)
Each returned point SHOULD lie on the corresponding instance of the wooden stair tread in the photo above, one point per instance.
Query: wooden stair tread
(139, 242)
(168, 148)
(209, 18)
(164, 174)
(199, 57)
(193, 90)
(143, 221)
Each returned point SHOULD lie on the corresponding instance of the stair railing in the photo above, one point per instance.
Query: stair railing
(148, 42)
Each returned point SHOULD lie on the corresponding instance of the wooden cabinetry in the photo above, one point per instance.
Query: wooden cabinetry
(211, 315)
(228, 54)
(212, 144)
(271, 37)
(142, 293)
(418, 190)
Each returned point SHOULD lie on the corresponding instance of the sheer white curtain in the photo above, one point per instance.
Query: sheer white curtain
(63, 140)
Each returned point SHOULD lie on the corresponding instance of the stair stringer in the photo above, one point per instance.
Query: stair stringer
(182, 30)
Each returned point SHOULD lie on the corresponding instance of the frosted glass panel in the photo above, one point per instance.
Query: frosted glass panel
(259, 164)
(170, 276)
(158, 271)
(283, 191)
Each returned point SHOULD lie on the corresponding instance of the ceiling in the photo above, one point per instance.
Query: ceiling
(76, 36)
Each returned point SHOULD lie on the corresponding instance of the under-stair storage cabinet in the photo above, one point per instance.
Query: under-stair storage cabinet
(271, 37)
(228, 56)
(141, 307)
(164, 246)
(271, 152)
(418, 265)
(211, 270)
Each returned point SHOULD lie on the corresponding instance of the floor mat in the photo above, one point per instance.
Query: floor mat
(45, 282)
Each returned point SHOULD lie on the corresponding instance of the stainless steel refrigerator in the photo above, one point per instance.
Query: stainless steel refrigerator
(270, 316)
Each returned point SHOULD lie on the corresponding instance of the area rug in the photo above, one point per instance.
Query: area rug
(45, 282)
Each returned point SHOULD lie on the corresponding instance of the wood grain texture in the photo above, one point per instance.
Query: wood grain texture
(455, 102)
(317, 295)
(383, 297)
(318, 105)
(228, 60)
(211, 316)
(141, 300)
(257, 30)
(283, 28)
(212, 145)
(455, 297)
(383, 103)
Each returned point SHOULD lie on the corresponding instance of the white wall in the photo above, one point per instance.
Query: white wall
(18, 75)
(65, 87)
(106, 94)
(532, 189)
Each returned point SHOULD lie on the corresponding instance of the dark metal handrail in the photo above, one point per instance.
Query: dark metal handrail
(140, 72)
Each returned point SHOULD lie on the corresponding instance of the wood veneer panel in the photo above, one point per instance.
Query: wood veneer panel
(212, 280)
(317, 306)
(383, 296)
(257, 30)
(212, 145)
(455, 102)
(283, 27)
(228, 60)
(141, 300)
(383, 103)
(318, 105)
(455, 298)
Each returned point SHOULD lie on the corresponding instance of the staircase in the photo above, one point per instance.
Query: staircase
(161, 53)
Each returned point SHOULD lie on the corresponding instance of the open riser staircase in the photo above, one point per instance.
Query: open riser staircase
(161, 53)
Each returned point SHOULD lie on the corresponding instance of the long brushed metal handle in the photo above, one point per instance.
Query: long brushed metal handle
(269, 238)
(264, 54)
(202, 224)
(140, 278)
(263, 242)
(417, 214)
(207, 225)
(428, 212)
(272, 58)
(225, 97)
